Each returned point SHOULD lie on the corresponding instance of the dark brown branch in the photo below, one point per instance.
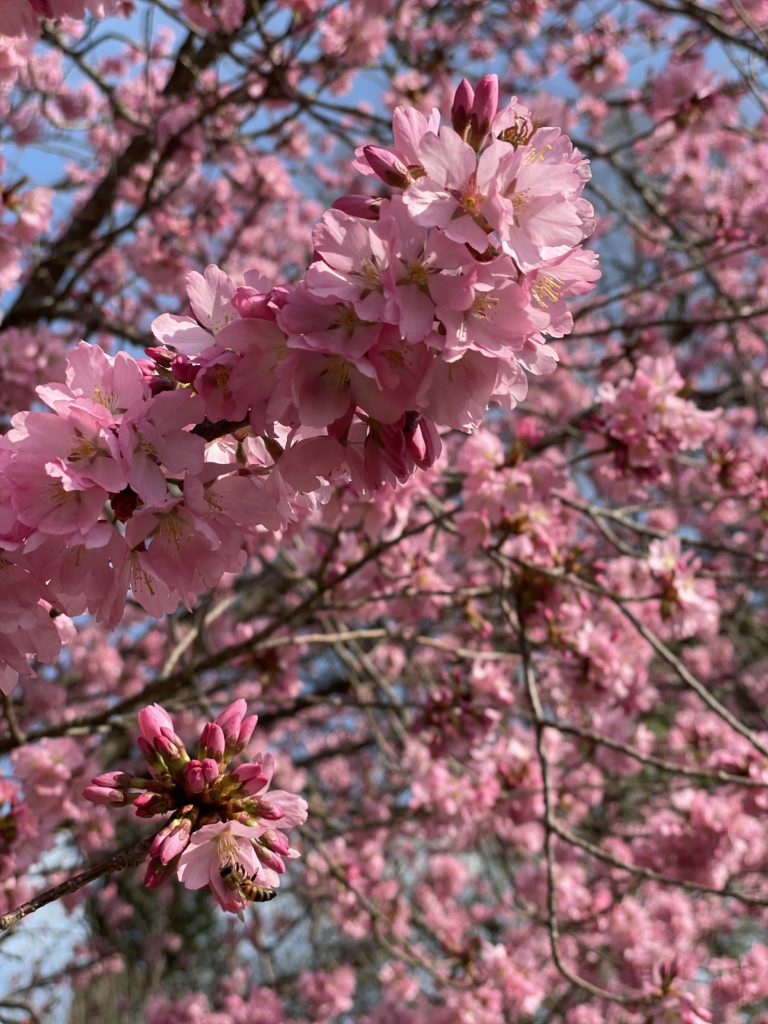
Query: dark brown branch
(38, 297)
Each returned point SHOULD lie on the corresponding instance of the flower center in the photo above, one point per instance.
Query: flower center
(482, 306)
(546, 289)
(338, 372)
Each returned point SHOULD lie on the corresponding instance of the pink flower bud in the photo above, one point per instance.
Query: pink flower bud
(270, 859)
(159, 354)
(252, 778)
(246, 731)
(231, 718)
(387, 166)
(152, 720)
(279, 295)
(157, 873)
(160, 384)
(462, 106)
(212, 742)
(117, 780)
(210, 769)
(193, 777)
(269, 812)
(170, 841)
(151, 756)
(148, 804)
(393, 450)
(252, 304)
(108, 797)
(375, 466)
(170, 748)
(485, 104)
(422, 440)
(237, 729)
(183, 369)
(275, 841)
(364, 207)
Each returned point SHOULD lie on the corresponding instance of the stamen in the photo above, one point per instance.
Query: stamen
(482, 305)
(534, 154)
(338, 372)
(518, 134)
(546, 289)
(348, 318)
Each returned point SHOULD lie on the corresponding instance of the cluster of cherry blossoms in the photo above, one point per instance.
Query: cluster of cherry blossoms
(646, 421)
(22, 17)
(226, 830)
(418, 310)
(471, 859)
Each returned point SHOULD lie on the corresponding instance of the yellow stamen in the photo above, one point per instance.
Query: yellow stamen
(533, 155)
(482, 305)
(546, 289)
(370, 273)
(338, 372)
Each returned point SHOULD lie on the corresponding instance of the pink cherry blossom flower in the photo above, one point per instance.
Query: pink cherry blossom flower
(221, 845)
(448, 196)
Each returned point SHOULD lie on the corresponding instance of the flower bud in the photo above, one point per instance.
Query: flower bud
(147, 805)
(422, 440)
(193, 777)
(269, 812)
(152, 720)
(118, 780)
(252, 778)
(387, 166)
(375, 466)
(171, 840)
(107, 797)
(236, 727)
(462, 107)
(113, 788)
(159, 384)
(231, 718)
(212, 742)
(246, 731)
(279, 295)
(183, 369)
(484, 109)
(151, 756)
(393, 450)
(252, 304)
(160, 354)
(270, 859)
(276, 841)
(172, 750)
(364, 207)
(157, 873)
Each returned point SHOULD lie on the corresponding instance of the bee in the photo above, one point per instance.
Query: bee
(235, 878)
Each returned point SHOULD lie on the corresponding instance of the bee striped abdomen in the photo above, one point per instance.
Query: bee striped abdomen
(235, 878)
